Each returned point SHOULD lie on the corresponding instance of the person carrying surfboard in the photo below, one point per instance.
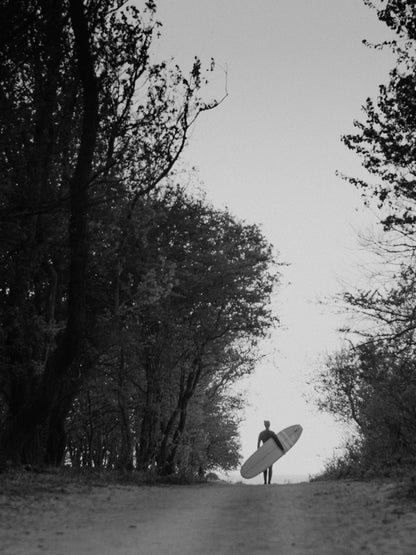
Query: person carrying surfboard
(266, 434)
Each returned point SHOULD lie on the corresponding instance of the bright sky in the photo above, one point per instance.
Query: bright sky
(298, 75)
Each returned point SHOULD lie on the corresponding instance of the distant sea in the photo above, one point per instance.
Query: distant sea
(235, 477)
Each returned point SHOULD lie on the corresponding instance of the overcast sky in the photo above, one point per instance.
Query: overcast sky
(298, 75)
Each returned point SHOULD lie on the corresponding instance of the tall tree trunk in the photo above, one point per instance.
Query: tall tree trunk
(61, 368)
(56, 440)
(31, 258)
(172, 436)
(149, 432)
(125, 461)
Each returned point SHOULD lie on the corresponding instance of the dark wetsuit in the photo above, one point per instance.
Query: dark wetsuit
(267, 434)
(263, 437)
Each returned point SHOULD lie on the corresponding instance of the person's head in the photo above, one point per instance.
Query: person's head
(267, 424)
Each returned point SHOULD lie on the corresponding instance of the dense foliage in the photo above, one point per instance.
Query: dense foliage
(126, 305)
(191, 304)
(372, 382)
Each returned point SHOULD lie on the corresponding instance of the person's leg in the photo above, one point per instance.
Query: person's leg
(270, 474)
(265, 476)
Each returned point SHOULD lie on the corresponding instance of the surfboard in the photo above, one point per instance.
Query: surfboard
(269, 452)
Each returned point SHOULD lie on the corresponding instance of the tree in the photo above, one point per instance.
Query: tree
(374, 386)
(372, 381)
(27, 418)
(87, 123)
(194, 301)
(386, 140)
(211, 441)
(222, 283)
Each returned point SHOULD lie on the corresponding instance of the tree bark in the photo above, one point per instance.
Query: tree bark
(125, 460)
(61, 371)
(169, 449)
(150, 420)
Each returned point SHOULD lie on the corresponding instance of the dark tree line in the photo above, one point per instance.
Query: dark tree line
(127, 305)
(371, 382)
(186, 314)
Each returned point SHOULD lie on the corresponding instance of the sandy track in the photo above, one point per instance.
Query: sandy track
(317, 518)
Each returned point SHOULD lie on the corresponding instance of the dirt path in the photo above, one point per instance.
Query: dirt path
(317, 518)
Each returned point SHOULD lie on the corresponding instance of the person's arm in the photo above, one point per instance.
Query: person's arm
(277, 441)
